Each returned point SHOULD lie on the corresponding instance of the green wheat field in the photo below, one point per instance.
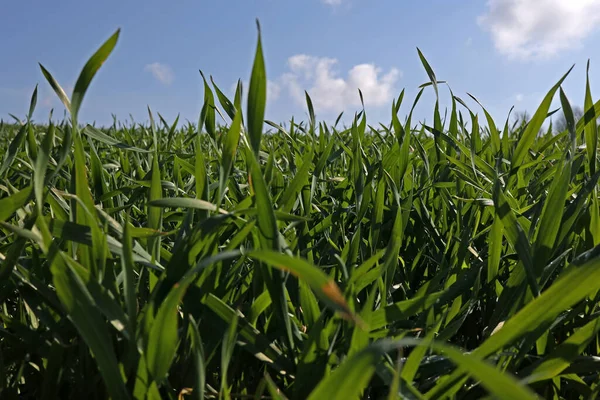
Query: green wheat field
(243, 259)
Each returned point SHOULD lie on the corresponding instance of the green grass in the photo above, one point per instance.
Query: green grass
(401, 260)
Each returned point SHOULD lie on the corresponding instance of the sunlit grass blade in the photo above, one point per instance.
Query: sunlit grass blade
(533, 126)
(89, 71)
(430, 72)
(257, 96)
(320, 283)
(56, 87)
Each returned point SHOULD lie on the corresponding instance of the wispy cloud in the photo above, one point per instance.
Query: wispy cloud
(161, 72)
(332, 2)
(526, 29)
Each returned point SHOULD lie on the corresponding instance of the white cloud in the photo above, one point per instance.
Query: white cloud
(161, 72)
(332, 93)
(332, 2)
(519, 97)
(539, 28)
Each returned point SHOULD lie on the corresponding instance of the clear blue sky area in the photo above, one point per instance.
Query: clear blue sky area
(504, 52)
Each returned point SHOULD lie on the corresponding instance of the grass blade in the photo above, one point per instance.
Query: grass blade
(257, 96)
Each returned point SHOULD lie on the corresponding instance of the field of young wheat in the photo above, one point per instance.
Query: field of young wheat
(243, 259)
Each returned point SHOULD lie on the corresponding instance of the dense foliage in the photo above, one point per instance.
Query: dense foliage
(403, 260)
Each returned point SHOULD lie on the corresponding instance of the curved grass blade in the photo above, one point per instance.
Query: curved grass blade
(534, 125)
(227, 105)
(88, 72)
(430, 73)
(324, 287)
(56, 87)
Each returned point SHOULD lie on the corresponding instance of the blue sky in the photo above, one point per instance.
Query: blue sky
(504, 52)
